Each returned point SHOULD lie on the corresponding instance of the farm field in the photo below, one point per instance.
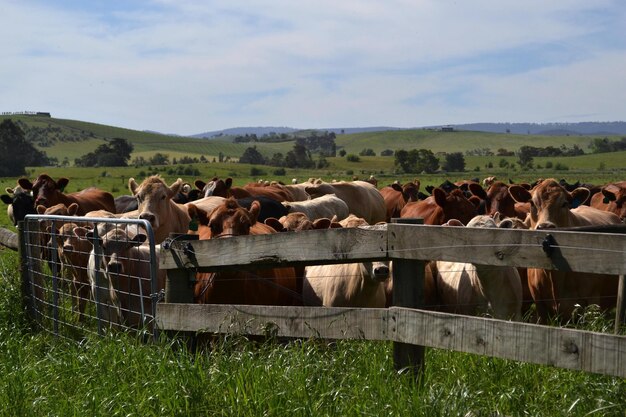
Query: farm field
(118, 375)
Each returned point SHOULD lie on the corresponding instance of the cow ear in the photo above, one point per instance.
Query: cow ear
(9, 190)
(440, 197)
(72, 210)
(322, 223)
(579, 196)
(41, 209)
(6, 199)
(132, 186)
(228, 182)
(608, 195)
(505, 224)
(80, 232)
(396, 187)
(62, 183)
(274, 224)
(25, 183)
(175, 188)
(138, 239)
(199, 184)
(519, 194)
(255, 209)
(477, 190)
(454, 222)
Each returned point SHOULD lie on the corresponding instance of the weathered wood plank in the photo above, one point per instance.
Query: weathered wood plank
(326, 323)
(562, 348)
(575, 251)
(281, 249)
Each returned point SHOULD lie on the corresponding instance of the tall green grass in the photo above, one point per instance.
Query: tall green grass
(117, 375)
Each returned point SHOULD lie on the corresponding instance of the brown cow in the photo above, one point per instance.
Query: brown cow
(268, 286)
(48, 192)
(498, 199)
(556, 292)
(157, 207)
(73, 256)
(396, 196)
(441, 207)
(612, 198)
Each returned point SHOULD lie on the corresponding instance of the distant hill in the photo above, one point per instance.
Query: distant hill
(240, 131)
(266, 130)
(549, 129)
(545, 129)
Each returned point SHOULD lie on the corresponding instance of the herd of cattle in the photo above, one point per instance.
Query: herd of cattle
(218, 209)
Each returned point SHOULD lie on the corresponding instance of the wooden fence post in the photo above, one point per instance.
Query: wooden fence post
(179, 282)
(620, 313)
(408, 291)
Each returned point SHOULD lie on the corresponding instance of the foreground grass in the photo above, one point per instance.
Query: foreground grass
(118, 375)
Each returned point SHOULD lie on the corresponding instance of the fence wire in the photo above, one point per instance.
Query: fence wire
(89, 275)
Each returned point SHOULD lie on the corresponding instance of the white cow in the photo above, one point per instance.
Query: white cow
(471, 289)
(325, 206)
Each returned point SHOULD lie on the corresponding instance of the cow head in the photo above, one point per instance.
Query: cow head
(216, 187)
(454, 205)
(20, 203)
(154, 198)
(550, 203)
(45, 190)
(614, 194)
(115, 245)
(230, 219)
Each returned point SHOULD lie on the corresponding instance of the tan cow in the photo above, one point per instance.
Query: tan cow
(556, 292)
(157, 207)
(346, 285)
(362, 198)
(472, 289)
(122, 284)
(325, 206)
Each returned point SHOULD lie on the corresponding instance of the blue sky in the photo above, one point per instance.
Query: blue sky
(190, 66)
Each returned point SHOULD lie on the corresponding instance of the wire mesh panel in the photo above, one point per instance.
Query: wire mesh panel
(91, 274)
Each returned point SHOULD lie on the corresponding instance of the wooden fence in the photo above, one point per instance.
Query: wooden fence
(410, 328)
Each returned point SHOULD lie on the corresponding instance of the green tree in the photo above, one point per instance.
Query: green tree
(16, 153)
(159, 159)
(252, 156)
(426, 161)
(524, 157)
(455, 162)
(299, 157)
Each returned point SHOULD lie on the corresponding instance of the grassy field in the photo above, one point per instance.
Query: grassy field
(120, 376)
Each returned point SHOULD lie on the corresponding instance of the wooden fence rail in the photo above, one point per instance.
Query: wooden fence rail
(564, 250)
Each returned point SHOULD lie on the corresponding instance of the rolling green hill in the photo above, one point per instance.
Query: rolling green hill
(70, 139)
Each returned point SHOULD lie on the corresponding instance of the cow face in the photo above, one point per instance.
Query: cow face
(115, 245)
(230, 219)
(154, 198)
(20, 203)
(550, 203)
(454, 205)
(45, 190)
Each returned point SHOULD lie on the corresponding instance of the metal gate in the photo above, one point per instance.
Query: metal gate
(90, 274)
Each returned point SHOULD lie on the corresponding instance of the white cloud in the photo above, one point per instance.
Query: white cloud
(188, 66)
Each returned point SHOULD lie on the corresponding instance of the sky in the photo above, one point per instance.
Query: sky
(192, 66)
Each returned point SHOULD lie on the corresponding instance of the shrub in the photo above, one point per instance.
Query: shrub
(255, 172)
(353, 158)
(280, 172)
